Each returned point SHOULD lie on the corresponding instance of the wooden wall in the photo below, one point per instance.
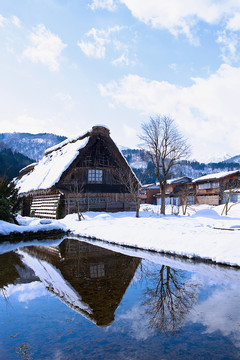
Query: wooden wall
(208, 199)
(99, 202)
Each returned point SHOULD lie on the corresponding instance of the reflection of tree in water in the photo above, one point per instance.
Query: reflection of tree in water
(169, 298)
(13, 271)
(8, 268)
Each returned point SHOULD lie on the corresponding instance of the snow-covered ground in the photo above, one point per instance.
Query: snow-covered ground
(28, 224)
(203, 233)
(190, 236)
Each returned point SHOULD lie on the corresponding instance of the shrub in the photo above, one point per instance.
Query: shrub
(10, 203)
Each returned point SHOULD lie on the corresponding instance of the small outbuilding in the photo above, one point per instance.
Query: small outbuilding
(178, 191)
(85, 173)
(147, 192)
(210, 188)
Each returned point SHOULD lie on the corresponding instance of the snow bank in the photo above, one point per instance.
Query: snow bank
(30, 225)
(7, 246)
(198, 236)
(189, 236)
(213, 271)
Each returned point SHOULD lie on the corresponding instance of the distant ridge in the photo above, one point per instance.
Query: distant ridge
(31, 145)
(34, 145)
(144, 169)
(234, 159)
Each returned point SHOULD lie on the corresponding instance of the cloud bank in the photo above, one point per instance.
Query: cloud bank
(206, 112)
(180, 17)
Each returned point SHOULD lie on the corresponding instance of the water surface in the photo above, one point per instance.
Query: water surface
(71, 299)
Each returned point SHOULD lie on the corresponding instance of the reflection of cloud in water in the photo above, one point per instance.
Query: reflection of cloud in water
(136, 322)
(59, 355)
(26, 292)
(220, 312)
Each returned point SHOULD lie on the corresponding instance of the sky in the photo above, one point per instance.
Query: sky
(67, 65)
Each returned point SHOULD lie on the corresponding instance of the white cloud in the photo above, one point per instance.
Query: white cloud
(131, 320)
(103, 4)
(173, 67)
(28, 123)
(180, 17)
(234, 23)
(65, 98)
(46, 48)
(129, 131)
(96, 47)
(206, 112)
(123, 60)
(220, 312)
(230, 46)
(26, 292)
(16, 21)
(3, 21)
(11, 20)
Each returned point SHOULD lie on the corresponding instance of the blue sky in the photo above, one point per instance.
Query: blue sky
(67, 65)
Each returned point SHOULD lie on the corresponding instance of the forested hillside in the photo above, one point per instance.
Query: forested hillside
(11, 162)
(144, 169)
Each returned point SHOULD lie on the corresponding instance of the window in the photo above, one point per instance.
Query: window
(208, 186)
(97, 270)
(95, 176)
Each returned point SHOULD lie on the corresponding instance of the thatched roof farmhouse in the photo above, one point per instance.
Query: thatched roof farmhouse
(85, 173)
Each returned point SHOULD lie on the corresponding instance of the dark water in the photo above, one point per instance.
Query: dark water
(73, 300)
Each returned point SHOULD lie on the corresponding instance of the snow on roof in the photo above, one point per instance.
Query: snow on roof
(173, 180)
(150, 186)
(28, 166)
(49, 169)
(235, 190)
(216, 176)
(52, 278)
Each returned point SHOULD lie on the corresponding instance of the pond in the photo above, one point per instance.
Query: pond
(72, 299)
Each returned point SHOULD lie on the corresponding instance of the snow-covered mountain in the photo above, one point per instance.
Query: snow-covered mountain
(234, 159)
(31, 145)
(34, 145)
(217, 158)
(138, 160)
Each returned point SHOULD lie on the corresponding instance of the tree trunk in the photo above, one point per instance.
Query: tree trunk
(162, 200)
(137, 208)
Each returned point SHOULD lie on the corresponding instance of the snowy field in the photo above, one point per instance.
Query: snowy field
(202, 233)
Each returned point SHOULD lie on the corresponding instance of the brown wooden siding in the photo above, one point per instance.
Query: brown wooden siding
(208, 199)
(99, 202)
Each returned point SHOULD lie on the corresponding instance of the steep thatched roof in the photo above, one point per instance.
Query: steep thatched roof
(56, 160)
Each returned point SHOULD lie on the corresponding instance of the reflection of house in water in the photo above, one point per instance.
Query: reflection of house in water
(13, 271)
(95, 279)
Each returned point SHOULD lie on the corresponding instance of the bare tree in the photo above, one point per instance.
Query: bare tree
(165, 147)
(185, 194)
(131, 184)
(227, 189)
(168, 298)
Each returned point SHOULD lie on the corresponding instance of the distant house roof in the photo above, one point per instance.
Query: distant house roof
(216, 176)
(236, 190)
(150, 186)
(178, 180)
